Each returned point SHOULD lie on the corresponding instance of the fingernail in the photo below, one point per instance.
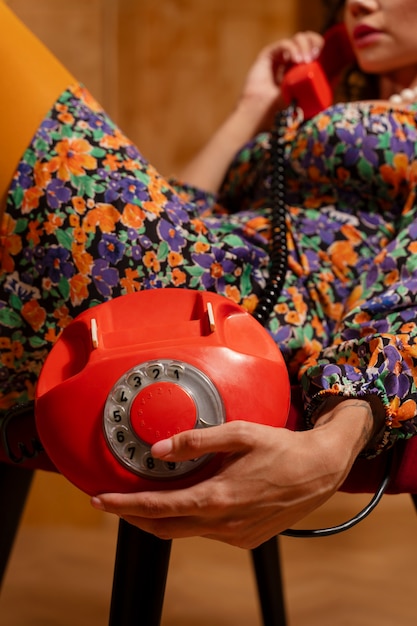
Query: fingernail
(97, 504)
(162, 448)
(315, 52)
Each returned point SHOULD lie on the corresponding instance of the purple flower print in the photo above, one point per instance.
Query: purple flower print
(169, 233)
(133, 190)
(104, 277)
(111, 249)
(216, 266)
(56, 265)
(57, 194)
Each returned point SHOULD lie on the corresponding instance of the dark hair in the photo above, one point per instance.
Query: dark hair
(333, 9)
(355, 84)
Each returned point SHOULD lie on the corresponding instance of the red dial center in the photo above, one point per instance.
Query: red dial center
(162, 410)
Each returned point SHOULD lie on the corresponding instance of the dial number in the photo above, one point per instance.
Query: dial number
(148, 379)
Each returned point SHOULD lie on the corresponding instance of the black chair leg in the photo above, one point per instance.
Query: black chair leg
(414, 499)
(266, 561)
(14, 487)
(140, 574)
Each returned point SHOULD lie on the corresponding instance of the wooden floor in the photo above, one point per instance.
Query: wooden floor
(61, 575)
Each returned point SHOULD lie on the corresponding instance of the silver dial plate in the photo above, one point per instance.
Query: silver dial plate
(132, 451)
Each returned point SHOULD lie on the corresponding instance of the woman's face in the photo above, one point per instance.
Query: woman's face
(384, 35)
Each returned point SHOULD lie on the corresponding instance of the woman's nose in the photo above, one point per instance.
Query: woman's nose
(360, 7)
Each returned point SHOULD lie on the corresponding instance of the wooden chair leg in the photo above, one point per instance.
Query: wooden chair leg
(266, 562)
(140, 574)
(14, 487)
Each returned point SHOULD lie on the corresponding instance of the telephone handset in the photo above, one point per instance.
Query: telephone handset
(311, 85)
(139, 368)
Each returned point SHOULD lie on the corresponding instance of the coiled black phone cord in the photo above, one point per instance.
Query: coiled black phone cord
(273, 288)
(278, 266)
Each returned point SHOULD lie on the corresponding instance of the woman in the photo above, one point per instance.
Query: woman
(88, 219)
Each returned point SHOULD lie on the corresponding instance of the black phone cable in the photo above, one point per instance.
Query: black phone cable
(273, 288)
(279, 256)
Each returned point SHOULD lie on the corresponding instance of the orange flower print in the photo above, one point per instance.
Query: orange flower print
(150, 260)
(355, 298)
(343, 256)
(51, 335)
(66, 118)
(178, 277)
(52, 223)
(250, 303)
(412, 248)
(258, 224)
(281, 308)
(132, 216)
(82, 259)
(115, 141)
(130, 281)
(31, 199)
(216, 270)
(41, 174)
(78, 289)
(395, 174)
(233, 293)
(35, 232)
(152, 207)
(112, 162)
(81, 92)
(293, 318)
(73, 158)
(62, 315)
(104, 215)
(80, 236)
(201, 247)
(156, 194)
(74, 220)
(405, 411)
(392, 277)
(79, 204)
(17, 349)
(199, 226)
(362, 318)
(175, 259)
(10, 244)
(323, 121)
(33, 314)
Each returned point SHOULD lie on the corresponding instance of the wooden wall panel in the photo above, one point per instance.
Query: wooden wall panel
(182, 65)
(82, 34)
(310, 15)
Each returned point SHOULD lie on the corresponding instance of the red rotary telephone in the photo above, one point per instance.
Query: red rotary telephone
(139, 368)
(311, 85)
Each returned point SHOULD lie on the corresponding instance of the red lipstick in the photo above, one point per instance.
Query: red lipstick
(364, 35)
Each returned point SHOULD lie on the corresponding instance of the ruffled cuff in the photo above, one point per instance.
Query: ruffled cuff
(384, 438)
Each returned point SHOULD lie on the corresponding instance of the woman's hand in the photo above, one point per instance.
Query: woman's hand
(261, 94)
(270, 478)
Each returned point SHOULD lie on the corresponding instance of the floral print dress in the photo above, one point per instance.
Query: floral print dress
(89, 219)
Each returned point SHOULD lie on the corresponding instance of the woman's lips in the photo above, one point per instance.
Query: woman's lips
(365, 35)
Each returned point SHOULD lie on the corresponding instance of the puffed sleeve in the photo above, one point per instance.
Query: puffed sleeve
(374, 348)
(371, 166)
